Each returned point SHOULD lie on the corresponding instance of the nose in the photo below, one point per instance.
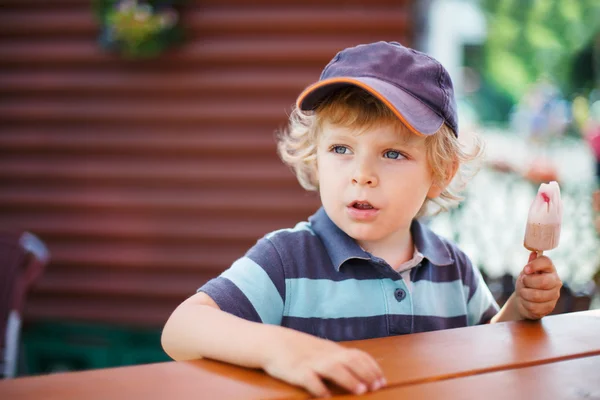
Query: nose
(364, 174)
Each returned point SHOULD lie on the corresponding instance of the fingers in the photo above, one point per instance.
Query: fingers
(341, 376)
(315, 360)
(538, 265)
(312, 382)
(355, 371)
(537, 310)
(542, 281)
(366, 368)
(539, 296)
(538, 287)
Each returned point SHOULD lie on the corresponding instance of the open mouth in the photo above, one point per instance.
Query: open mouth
(362, 205)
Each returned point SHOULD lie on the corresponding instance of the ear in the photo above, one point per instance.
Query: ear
(435, 190)
(438, 187)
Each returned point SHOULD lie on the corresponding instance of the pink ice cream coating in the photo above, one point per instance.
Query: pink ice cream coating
(545, 217)
(547, 205)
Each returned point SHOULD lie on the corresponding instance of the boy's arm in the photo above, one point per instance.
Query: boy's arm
(198, 328)
(508, 312)
(190, 334)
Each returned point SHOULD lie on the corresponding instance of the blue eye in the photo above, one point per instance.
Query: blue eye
(340, 149)
(393, 154)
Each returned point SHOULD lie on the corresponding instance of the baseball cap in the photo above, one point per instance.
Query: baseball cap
(416, 87)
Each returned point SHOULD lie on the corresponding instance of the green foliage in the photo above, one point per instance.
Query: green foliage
(137, 29)
(531, 40)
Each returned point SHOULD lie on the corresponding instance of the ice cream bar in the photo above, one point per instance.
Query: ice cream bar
(544, 221)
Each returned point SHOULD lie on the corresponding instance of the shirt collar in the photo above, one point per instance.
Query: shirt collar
(342, 247)
(413, 262)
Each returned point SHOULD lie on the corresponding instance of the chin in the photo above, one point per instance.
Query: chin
(363, 233)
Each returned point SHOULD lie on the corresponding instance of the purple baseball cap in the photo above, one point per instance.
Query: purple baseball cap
(417, 88)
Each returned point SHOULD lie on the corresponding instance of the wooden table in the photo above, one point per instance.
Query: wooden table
(556, 358)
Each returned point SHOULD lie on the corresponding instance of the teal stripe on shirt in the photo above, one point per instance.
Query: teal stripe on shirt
(481, 301)
(257, 286)
(439, 299)
(301, 226)
(371, 297)
(345, 299)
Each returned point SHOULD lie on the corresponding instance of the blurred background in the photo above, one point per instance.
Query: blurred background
(137, 149)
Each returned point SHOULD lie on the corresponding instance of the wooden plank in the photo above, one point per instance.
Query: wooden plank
(156, 228)
(282, 19)
(271, 110)
(147, 311)
(35, 22)
(288, 82)
(223, 21)
(139, 140)
(193, 171)
(424, 357)
(210, 257)
(515, 358)
(194, 201)
(571, 379)
(88, 282)
(225, 3)
(154, 381)
(312, 3)
(130, 285)
(266, 51)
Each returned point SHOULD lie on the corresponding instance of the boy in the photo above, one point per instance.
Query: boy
(377, 137)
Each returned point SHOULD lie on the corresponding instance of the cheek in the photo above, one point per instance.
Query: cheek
(328, 182)
(326, 169)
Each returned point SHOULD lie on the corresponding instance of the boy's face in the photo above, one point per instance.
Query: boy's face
(373, 183)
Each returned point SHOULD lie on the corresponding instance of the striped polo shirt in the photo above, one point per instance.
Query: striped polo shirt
(316, 279)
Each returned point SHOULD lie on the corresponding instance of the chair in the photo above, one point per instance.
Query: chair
(23, 258)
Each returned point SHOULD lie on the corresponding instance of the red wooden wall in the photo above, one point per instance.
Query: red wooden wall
(145, 179)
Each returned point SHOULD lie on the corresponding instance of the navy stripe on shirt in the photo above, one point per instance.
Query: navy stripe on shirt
(340, 329)
(231, 299)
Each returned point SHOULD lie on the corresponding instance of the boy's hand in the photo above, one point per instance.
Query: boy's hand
(305, 360)
(538, 288)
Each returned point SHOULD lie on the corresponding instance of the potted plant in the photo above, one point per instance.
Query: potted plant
(138, 29)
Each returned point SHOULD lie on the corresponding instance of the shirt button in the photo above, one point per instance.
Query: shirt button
(399, 294)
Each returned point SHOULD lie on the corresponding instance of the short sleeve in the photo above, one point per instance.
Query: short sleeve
(481, 305)
(253, 287)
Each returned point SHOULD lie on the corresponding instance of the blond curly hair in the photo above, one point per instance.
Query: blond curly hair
(355, 108)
